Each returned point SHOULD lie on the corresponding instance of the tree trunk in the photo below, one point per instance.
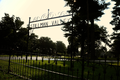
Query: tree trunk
(92, 40)
(83, 39)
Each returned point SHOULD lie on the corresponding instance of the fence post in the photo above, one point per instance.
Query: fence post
(9, 61)
(28, 38)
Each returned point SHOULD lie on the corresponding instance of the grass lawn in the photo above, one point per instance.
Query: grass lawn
(4, 72)
(92, 71)
(4, 55)
(6, 76)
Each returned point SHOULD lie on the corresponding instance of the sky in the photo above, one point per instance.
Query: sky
(34, 8)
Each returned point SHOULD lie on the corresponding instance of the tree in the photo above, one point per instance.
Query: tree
(61, 48)
(75, 45)
(116, 16)
(116, 23)
(115, 45)
(46, 45)
(9, 28)
(33, 41)
(85, 11)
(22, 36)
(100, 36)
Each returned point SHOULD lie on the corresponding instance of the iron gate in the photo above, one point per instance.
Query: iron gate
(36, 66)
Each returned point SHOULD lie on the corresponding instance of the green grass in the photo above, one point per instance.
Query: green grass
(4, 72)
(91, 70)
(4, 55)
(6, 76)
(107, 58)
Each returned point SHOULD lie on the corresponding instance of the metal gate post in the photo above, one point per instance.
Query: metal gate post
(28, 38)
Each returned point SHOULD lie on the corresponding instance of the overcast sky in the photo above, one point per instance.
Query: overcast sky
(34, 8)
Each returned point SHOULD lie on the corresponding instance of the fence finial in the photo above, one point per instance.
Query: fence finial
(48, 13)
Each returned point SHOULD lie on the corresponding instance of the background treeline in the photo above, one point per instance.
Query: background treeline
(15, 37)
(82, 32)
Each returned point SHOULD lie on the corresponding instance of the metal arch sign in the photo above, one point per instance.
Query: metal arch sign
(49, 20)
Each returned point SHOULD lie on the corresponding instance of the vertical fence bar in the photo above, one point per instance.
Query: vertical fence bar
(68, 73)
(14, 65)
(77, 73)
(48, 68)
(39, 72)
(25, 67)
(72, 74)
(21, 65)
(36, 69)
(64, 67)
(82, 73)
(42, 67)
(33, 71)
(99, 76)
(19, 68)
(111, 77)
(52, 69)
(59, 71)
(28, 69)
(56, 67)
(30, 64)
(45, 71)
(93, 69)
(105, 68)
(9, 63)
(117, 72)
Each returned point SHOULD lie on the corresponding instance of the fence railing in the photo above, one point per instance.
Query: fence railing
(43, 67)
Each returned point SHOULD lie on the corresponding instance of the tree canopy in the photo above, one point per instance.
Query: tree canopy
(10, 28)
(46, 45)
(61, 48)
(83, 12)
(116, 23)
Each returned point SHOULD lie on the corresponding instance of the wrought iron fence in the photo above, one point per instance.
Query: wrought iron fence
(42, 67)
(36, 66)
